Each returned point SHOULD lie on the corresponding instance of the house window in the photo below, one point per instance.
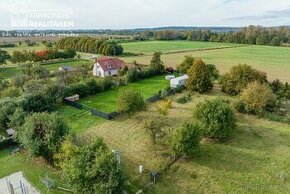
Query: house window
(100, 74)
(109, 72)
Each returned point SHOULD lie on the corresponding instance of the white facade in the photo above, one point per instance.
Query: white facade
(99, 72)
(178, 82)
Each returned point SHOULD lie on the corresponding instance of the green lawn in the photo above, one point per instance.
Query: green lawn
(32, 168)
(78, 120)
(148, 47)
(275, 61)
(106, 101)
(7, 72)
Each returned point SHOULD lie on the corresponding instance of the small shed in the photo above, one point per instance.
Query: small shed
(74, 98)
(10, 132)
(65, 68)
(178, 82)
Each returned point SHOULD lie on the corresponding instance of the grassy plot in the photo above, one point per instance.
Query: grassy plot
(32, 168)
(78, 120)
(24, 47)
(148, 47)
(106, 101)
(10, 71)
(255, 160)
(273, 60)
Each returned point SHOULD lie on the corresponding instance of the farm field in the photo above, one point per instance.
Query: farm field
(148, 47)
(106, 101)
(32, 168)
(273, 60)
(256, 158)
(10, 71)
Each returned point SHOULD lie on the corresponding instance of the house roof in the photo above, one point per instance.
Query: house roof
(110, 63)
(176, 80)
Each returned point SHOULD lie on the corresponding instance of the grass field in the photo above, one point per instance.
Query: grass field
(273, 60)
(106, 101)
(24, 47)
(255, 160)
(32, 168)
(148, 47)
(78, 120)
(10, 71)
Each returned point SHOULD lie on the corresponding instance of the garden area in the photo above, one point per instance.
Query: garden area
(106, 101)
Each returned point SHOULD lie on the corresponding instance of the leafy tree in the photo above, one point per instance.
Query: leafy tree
(186, 64)
(199, 78)
(239, 77)
(257, 97)
(186, 139)
(40, 72)
(7, 108)
(156, 63)
(37, 102)
(216, 118)
(42, 134)
(153, 128)
(17, 57)
(17, 119)
(19, 81)
(212, 71)
(91, 169)
(130, 101)
(275, 41)
(4, 56)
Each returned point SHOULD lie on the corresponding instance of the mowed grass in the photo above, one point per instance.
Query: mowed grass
(255, 159)
(78, 120)
(106, 101)
(148, 47)
(275, 61)
(7, 72)
(32, 168)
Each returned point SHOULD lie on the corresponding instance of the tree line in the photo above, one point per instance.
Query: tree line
(91, 45)
(259, 35)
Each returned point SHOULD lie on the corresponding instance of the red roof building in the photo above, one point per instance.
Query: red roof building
(107, 66)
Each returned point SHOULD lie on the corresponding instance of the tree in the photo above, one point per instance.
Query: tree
(186, 139)
(239, 77)
(275, 41)
(7, 108)
(212, 71)
(42, 134)
(156, 64)
(37, 102)
(91, 169)
(163, 107)
(40, 72)
(17, 57)
(199, 78)
(130, 101)
(4, 56)
(186, 64)
(257, 97)
(216, 118)
(152, 127)
(19, 81)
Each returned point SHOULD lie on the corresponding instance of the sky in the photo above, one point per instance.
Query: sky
(125, 14)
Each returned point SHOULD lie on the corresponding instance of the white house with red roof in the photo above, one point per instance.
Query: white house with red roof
(107, 66)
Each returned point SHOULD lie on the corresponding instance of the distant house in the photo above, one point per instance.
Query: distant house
(107, 66)
(178, 82)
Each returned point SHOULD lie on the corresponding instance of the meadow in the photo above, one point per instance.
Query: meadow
(254, 160)
(148, 47)
(275, 61)
(106, 101)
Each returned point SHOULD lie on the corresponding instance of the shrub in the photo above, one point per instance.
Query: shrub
(199, 79)
(212, 71)
(216, 118)
(186, 64)
(186, 139)
(164, 106)
(130, 101)
(240, 106)
(183, 99)
(257, 97)
(239, 77)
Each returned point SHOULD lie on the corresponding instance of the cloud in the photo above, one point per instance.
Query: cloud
(273, 14)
